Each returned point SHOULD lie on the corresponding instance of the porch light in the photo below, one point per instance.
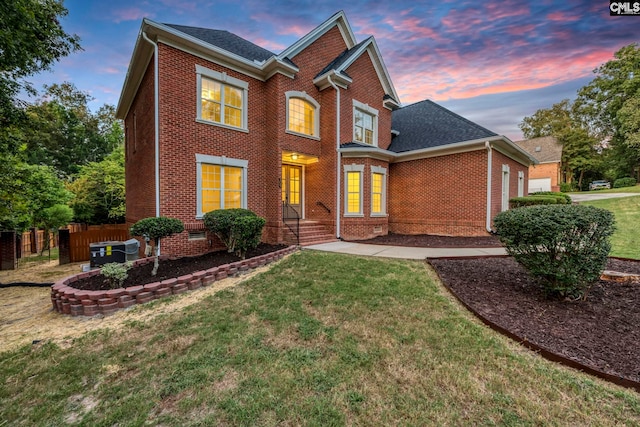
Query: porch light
(294, 156)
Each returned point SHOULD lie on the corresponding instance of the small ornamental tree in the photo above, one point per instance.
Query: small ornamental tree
(564, 246)
(239, 229)
(154, 229)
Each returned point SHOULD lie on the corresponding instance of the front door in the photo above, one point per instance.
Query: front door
(292, 191)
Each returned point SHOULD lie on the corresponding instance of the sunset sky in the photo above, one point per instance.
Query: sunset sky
(493, 62)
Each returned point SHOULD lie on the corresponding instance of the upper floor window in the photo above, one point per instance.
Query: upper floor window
(365, 123)
(222, 99)
(303, 114)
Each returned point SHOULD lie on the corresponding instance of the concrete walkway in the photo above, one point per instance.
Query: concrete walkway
(404, 252)
(585, 197)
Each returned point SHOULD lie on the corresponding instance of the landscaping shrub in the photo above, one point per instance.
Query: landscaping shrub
(154, 229)
(238, 229)
(564, 196)
(566, 187)
(517, 202)
(564, 246)
(115, 273)
(624, 182)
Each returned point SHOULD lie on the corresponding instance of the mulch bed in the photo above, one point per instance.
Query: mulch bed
(432, 241)
(172, 268)
(602, 332)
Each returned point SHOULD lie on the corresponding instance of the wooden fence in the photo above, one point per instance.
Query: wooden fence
(74, 247)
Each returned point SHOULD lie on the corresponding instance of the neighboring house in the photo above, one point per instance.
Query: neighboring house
(317, 132)
(547, 175)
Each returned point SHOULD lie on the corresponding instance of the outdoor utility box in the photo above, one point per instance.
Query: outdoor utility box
(114, 251)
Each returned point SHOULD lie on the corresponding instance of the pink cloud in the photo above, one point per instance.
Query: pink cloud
(520, 30)
(561, 17)
(505, 9)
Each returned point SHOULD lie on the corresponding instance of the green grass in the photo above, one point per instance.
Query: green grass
(634, 189)
(318, 340)
(625, 242)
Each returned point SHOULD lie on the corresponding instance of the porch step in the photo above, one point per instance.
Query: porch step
(311, 233)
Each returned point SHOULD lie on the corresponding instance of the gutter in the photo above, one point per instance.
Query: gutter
(156, 119)
(339, 157)
(487, 144)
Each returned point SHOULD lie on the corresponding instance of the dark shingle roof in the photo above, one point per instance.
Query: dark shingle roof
(426, 124)
(227, 41)
(341, 59)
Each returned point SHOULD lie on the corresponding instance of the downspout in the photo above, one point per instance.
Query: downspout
(156, 118)
(339, 157)
(489, 164)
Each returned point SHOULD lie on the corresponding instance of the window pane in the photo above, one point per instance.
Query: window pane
(233, 116)
(210, 111)
(210, 200)
(232, 97)
(353, 192)
(363, 125)
(232, 199)
(210, 90)
(376, 193)
(232, 178)
(301, 116)
(210, 187)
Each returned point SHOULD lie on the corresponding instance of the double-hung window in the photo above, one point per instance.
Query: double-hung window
(365, 124)
(303, 114)
(222, 99)
(221, 183)
(353, 190)
(378, 191)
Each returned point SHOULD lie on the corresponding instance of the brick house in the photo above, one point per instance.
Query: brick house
(316, 132)
(547, 174)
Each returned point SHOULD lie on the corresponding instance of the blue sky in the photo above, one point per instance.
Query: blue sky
(492, 61)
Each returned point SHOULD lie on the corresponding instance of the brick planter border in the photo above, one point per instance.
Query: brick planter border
(66, 299)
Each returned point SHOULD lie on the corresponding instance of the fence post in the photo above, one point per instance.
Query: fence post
(34, 240)
(8, 255)
(64, 246)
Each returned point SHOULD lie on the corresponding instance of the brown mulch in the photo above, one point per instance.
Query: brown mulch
(172, 268)
(602, 332)
(433, 241)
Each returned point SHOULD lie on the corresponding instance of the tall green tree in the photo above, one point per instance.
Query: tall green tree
(99, 191)
(31, 41)
(65, 134)
(610, 104)
(580, 149)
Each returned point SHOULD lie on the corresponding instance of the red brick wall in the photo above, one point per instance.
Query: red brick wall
(443, 195)
(140, 152)
(500, 159)
(547, 170)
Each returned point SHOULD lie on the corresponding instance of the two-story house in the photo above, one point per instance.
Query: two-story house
(316, 132)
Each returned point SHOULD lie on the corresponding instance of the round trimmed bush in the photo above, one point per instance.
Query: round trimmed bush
(564, 246)
(624, 182)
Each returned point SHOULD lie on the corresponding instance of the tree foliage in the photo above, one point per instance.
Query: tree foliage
(154, 229)
(65, 134)
(99, 190)
(31, 40)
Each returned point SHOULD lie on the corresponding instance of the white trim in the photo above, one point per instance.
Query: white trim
(219, 161)
(381, 171)
(366, 109)
(223, 79)
(316, 114)
(347, 169)
(506, 178)
(520, 183)
(487, 145)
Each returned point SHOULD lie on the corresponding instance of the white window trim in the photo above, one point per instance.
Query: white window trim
(316, 115)
(382, 171)
(520, 183)
(506, 176)
(225, 79)
(357, 105)
(218, 161)
(353, 168)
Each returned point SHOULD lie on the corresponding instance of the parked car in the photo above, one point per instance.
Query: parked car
(599, 185)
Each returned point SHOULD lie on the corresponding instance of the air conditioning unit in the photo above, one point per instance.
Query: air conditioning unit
(113, 251)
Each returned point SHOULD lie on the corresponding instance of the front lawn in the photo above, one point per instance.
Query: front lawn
(625, 242)
(320, 339)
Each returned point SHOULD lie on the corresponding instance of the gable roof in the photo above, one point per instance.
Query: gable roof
(227, 41)
(545, 149)
(426, 124)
